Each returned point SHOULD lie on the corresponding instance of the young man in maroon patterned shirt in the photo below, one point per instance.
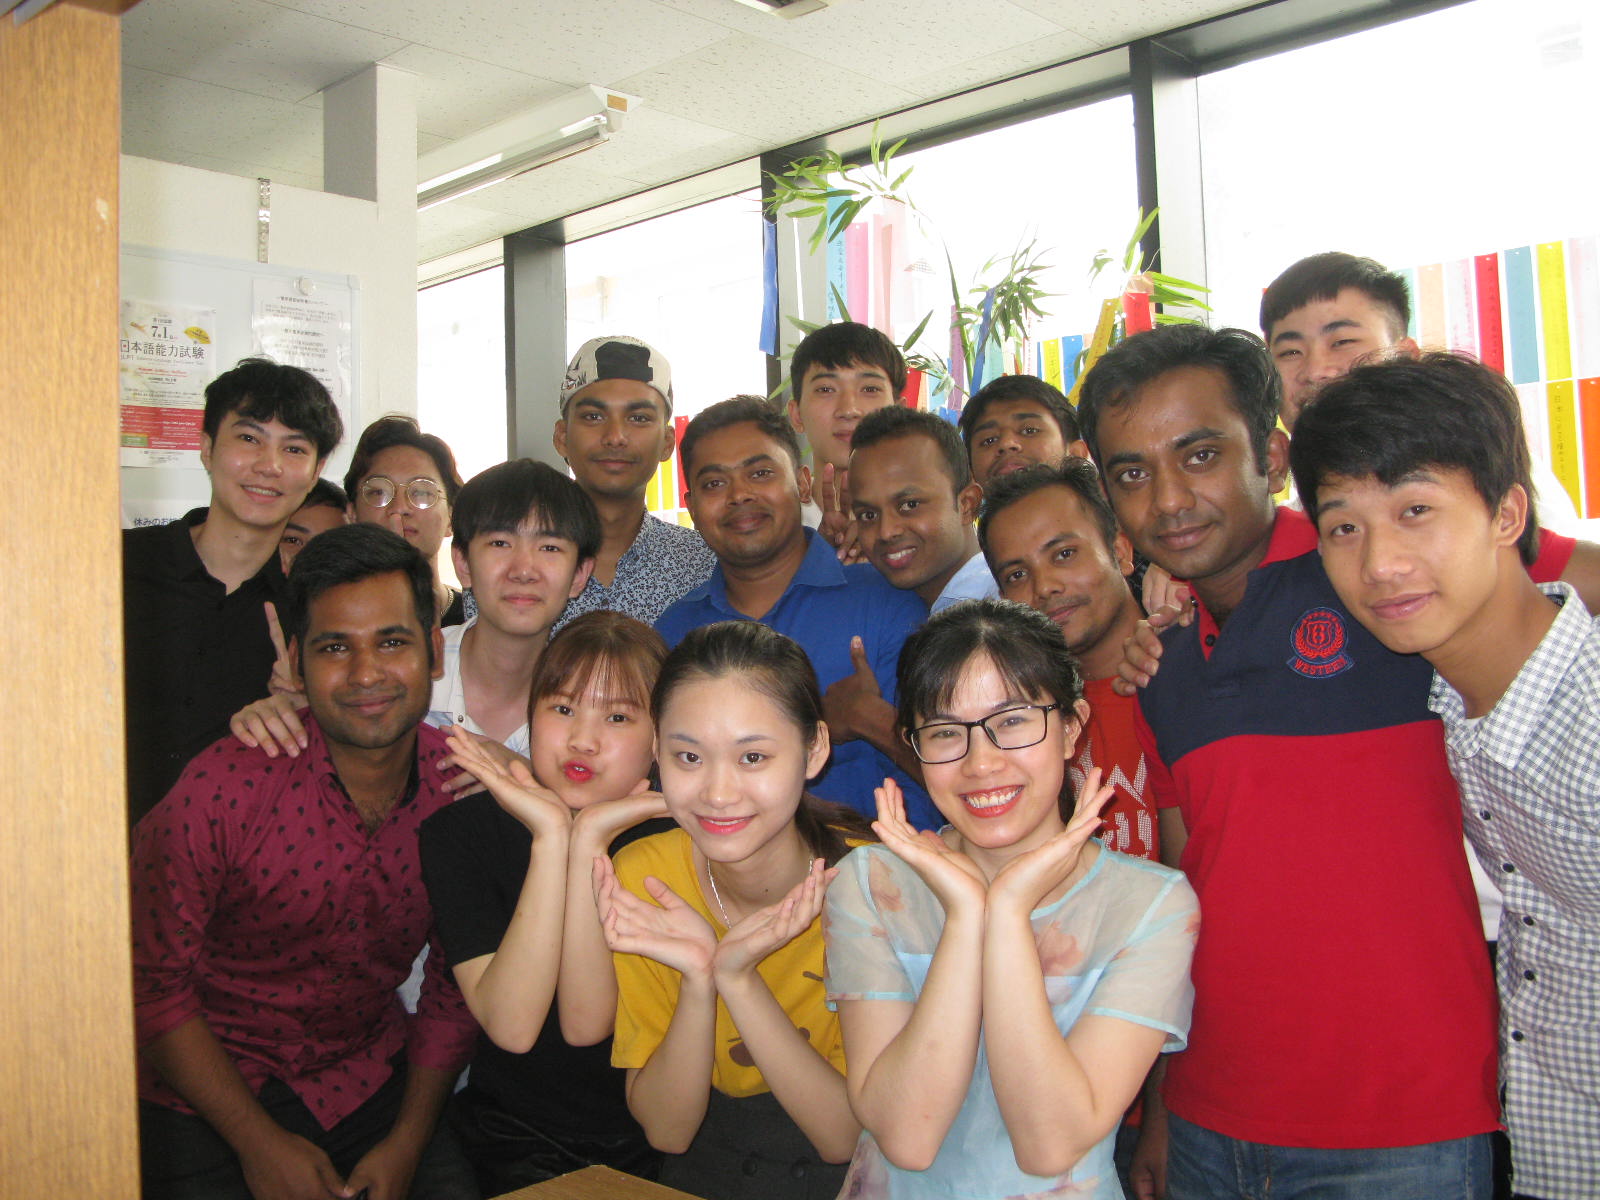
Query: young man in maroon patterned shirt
(278, 903)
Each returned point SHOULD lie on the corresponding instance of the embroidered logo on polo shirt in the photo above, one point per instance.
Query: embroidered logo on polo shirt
(1319, 639)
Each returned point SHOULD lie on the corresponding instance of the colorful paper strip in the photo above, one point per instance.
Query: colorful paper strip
(1491, 337)
(1589, 409)
(1433, 333)
(1564, 455)
(1051, 350)
(1521, 314)
(1553, 310)
(1461, 309)
(1583, 303)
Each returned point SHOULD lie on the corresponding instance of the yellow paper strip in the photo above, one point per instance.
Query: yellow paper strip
(1562, 405)
(1553, 310)
(654, 498)
(1102, 342)
(1052, 362)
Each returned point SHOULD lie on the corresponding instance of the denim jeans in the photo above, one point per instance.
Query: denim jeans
(1202, 1165)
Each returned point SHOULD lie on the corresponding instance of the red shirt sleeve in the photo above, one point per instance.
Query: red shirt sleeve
(1555, 552)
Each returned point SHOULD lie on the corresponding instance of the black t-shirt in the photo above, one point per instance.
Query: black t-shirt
(474, 861)
(455, 613)
(193, 653)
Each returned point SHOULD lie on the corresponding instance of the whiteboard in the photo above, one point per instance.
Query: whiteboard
(227, 286)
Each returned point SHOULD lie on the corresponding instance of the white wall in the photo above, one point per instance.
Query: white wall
(203, 212)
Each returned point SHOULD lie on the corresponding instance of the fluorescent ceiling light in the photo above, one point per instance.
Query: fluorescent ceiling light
(581, 120)
(784, 8)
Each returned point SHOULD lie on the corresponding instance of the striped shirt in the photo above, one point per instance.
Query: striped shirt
(1530, 786)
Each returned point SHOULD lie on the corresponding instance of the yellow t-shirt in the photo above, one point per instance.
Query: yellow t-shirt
(647, 992)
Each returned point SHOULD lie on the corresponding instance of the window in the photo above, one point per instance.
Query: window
(461, 367)
(1424, 141)
(689, 283)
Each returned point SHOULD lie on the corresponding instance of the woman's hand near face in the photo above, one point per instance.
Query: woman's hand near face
(767, 929)
(600, 823)
(668, 931)
(512, 785)
(1028, 879)
(953, 878)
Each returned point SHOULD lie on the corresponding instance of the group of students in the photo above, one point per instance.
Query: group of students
(673, 850)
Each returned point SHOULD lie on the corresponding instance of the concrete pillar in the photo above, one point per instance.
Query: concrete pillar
(369, 151)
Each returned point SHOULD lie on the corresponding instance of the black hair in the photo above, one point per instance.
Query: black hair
(842, 344)
(1027, 648)
(393, 430)
(894, 420)
(619, 654)
(505, 498)
(775, 666)
(1020, 387)
(350, 554)
(263, 390)
(1389, 419)
(1324, 276)
(325, 493)
(1077, 475)
(1239, 355)
(756, 410)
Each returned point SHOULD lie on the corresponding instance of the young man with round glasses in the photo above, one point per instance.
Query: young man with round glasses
(406, 481)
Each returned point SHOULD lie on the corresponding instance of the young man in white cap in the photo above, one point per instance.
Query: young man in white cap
(615, 431)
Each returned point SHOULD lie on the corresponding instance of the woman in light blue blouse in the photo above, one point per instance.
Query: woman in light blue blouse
(1003, 986)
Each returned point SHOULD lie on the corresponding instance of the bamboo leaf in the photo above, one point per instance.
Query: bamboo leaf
(917, 332)
(844, 309)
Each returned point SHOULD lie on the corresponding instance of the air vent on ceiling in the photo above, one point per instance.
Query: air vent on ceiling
(785, 8)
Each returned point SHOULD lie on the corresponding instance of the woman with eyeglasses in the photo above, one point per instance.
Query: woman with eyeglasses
(406, 480)
(1003, 986)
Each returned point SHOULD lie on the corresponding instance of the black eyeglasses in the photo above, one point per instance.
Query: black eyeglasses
(1009, 729)
(380, 491)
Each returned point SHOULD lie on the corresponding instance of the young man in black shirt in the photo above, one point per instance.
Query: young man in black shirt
(195, 636)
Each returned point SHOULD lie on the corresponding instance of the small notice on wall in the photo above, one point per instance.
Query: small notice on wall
(306, 324)
(166, 362)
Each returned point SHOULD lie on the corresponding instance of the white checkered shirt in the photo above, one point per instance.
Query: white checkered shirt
(1530, 788)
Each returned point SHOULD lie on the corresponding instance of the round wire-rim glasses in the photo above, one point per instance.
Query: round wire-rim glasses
(380, 491)
(1014, 728)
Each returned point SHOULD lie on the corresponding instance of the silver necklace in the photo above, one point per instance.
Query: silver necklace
(717, 896)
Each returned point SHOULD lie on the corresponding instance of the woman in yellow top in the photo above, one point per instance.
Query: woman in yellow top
(735, 1066)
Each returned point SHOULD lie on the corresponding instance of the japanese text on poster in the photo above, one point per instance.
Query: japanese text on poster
(166, 361)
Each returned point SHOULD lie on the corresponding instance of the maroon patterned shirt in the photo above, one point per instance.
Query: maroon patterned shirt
(262, 903)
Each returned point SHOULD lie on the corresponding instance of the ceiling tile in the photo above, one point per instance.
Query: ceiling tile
(652, 140)
(1112, 25)
(749, 87)
(573, 41)
(172, 119)
(247, 45)
(1002, 64)
(891, 39)
(457, 96)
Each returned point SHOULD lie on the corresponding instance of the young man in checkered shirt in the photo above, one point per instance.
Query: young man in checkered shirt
(1415, 473)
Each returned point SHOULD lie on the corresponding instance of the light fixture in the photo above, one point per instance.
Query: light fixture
(785, 8)
(584, 118)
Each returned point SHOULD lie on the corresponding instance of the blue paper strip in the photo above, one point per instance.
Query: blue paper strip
(769, 288)
(1071, 347)
(1521, 303)
(838, 276)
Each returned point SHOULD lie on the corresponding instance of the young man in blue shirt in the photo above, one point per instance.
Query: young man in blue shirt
(742, 460)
